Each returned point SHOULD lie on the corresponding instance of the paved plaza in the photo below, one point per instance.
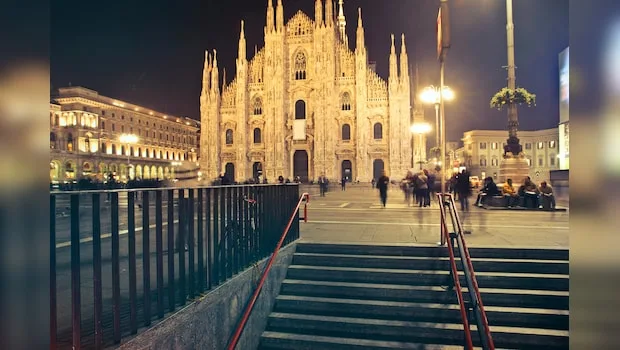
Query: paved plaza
(355, 215)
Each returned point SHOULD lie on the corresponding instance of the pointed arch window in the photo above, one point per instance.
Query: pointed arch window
(346, 132)
(258, 106)
(257, 135)
(346, 102)
(229, 137)
(52, 140)
(300, 66)
(378, 131)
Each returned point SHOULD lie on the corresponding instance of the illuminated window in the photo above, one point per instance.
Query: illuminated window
(493, 145)
(541, 145)
(483, 162)
(494, 162)
(551, 144)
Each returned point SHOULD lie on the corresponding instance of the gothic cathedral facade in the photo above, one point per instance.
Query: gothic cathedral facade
(306, 105)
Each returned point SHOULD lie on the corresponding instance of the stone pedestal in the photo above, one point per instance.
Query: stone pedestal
(513, 167)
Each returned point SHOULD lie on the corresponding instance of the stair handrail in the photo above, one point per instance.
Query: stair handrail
(250, 306)
(454, 272)
(472, 283)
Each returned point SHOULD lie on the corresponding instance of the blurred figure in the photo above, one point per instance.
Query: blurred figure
(382, 184)
(322, 184)
(373, 182)
(530, 193)
(546, 195)
(489, 190)
(422, 185)
(463, 188)
(343, 183)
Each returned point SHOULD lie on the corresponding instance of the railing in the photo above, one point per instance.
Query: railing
(114, 244)
(250, 306)
(475, 305)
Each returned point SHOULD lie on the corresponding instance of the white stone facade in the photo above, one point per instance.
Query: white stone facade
(306, 105)
(483, 150)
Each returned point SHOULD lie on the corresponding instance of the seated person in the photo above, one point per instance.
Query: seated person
(546, 195)
(530, 193)
(489, 189)
(510, 195)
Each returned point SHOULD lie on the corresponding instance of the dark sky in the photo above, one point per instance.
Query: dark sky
(151, 52)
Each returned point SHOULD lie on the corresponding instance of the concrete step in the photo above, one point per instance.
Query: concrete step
(418, 312)
(429, 263)
(425, 277)
(410, 332)
(432, 251)
(421, 294)
(279, 340)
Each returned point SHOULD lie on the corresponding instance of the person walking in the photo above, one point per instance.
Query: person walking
(422, 189)
(382, 184)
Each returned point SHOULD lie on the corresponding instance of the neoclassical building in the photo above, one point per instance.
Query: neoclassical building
(86, 142)
(306, 104)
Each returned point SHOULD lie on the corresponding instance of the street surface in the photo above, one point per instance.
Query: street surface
(354, 215)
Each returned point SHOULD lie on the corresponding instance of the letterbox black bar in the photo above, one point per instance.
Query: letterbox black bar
(53, 304)
(190, 241)
(200, 246)
(181, 247)
(159, 247)
(131, 239)
(116, 282)
(171, 289)
(146, 257)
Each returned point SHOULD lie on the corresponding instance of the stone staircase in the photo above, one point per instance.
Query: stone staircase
(343, 296)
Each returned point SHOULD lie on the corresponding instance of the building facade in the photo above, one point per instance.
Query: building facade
(306, 104)
(86, 142)
(483, 150)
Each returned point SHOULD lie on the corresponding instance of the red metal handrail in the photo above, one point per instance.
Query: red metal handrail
(248, 309)
(485, 321)
(457, 285)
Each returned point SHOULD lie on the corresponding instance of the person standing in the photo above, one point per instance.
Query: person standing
(322, 184)
(463, 188)
(343, 183)
(422, 185)
(382, 184)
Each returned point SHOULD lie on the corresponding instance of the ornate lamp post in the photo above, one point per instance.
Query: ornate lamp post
(513, 165)
(420, 129)
(128, 139)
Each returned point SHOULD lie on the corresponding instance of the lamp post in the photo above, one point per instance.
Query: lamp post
(432, 95)
(420, 129)
(128, 139)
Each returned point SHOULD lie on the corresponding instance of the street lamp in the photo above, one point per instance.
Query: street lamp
(128, 139)
(420, 129)
(431, 95)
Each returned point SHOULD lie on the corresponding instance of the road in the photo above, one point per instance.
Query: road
(353, 215)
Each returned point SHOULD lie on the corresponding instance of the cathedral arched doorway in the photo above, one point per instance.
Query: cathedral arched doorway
(229, 172)
(347, 170)
(257, 170)
(377, 168)
(300, 165)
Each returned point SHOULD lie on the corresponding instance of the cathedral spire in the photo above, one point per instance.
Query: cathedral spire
(280, 17)
(269, 23)
(318, 13)
(393, 64)
(223, 78)
(206, 73)
(361, 44)
(329, 13)
(215, 79)
(242, 56)
(342, 23)
(404, 63)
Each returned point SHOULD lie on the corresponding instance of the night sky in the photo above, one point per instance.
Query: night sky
(152, 52)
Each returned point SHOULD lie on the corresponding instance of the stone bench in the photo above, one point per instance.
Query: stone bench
(495, 201)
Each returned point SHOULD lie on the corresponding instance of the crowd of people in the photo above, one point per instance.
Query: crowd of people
(527, 195)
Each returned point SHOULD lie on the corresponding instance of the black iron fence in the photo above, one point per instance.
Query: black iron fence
(123, 259)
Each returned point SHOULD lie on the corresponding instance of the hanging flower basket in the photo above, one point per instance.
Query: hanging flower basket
(507, 96)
